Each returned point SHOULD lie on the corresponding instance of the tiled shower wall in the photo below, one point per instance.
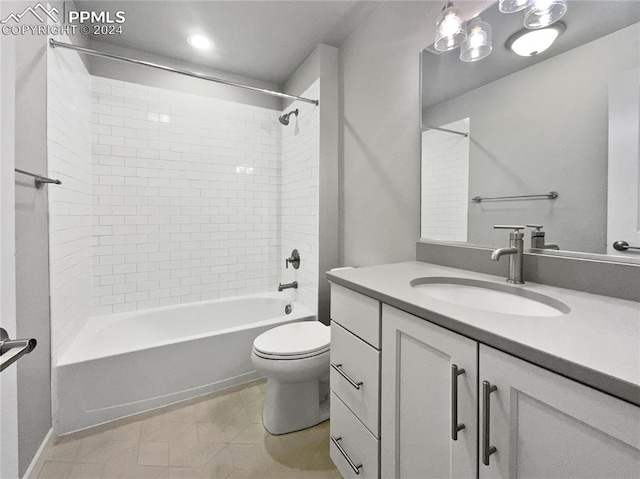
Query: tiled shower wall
(299, 197)
(445, 183)
(69, 159)
(185, 197)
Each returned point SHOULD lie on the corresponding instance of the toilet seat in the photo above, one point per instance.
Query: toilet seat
(298, 340)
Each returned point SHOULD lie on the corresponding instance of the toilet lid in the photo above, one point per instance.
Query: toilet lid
(294, 339)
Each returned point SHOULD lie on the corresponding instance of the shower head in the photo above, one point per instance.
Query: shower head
(284, 119)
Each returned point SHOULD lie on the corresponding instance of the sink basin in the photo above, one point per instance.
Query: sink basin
(486, 296)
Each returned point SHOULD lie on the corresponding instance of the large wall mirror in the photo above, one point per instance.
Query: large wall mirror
(550, 139)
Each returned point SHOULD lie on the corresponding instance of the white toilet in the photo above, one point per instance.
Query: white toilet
(295, 360)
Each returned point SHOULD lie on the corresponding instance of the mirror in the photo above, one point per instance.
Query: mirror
(557, 133)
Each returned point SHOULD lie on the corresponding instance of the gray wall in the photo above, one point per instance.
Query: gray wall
(323, 64)
(32, 246)
(544, 128)
(161, 79)
(380, 134)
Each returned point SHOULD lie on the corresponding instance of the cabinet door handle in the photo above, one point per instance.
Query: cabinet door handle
(356, 467)
(455, 427)
(338, 367)
(487, 448)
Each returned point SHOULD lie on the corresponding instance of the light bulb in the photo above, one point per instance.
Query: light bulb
(542, 13)
(450, 31)
(478, 42)
(511, 6)
(199, 42)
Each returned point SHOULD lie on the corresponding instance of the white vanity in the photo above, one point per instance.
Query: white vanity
(424, 387)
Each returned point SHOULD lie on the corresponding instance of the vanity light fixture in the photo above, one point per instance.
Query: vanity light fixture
(477, 45)
(511, 6)
(199, 42)
(528, 43)
(542, 13)
(450, 32)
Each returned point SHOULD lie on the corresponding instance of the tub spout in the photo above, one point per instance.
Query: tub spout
(498, 253)
(282, 287)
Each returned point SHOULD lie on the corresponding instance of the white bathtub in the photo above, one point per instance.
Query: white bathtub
(127, 363)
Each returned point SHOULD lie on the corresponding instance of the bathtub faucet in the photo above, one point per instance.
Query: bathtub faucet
(282, 287)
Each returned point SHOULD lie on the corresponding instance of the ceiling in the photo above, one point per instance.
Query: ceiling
(264, 40)
(444, 76)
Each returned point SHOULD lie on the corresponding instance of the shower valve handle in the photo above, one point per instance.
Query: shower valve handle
(294, 260)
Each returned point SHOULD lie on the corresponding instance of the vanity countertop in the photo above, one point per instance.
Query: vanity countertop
(597, 343)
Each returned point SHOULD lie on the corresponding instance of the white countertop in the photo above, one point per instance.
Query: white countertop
(597, 343)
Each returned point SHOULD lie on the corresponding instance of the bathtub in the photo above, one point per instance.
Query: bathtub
(123, 364)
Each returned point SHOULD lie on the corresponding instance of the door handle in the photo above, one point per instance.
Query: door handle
(356, 467)
(338, 368)
(455, 427)
(623, 246)
(25, 347)
(487, 448)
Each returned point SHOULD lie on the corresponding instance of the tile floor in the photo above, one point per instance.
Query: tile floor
(216, 436)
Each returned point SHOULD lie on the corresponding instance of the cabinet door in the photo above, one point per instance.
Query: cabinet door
(418, 392)
(543, 425)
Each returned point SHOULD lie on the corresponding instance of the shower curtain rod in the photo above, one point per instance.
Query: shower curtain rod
(54, 44)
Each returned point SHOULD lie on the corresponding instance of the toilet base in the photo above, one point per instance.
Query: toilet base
(291, 407)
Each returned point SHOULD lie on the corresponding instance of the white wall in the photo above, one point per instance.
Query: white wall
(380, 157)
(323, 64)
(445, 183)
(299, 197)
(185, 197)
(380, 151)
(69, 159)
(8, 380)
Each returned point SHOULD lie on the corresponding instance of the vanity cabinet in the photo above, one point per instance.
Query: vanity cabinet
(451, 407)
(543, 425)
(430, 403)
(355, 383)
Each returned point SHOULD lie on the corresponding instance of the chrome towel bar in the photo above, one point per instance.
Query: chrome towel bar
(40, 180)
(552, 195)
(6, 345)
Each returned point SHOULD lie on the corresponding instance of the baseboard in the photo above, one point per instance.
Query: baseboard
(34, 461)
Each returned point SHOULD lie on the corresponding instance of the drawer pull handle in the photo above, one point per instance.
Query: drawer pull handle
(455, 427)
(356, 467)
(338, 367)
(487, 448)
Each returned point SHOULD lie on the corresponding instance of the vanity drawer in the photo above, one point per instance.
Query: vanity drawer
(357, 313)
(359, 363)
(356, 441)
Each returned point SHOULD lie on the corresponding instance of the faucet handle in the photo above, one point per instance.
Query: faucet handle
(509, 227)
(537, 227)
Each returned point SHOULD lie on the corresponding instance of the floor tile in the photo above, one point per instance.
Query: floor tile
(184, 414)
(219, 436)
(196, 455)
(86, 471)
(55, 470)
(153, 453)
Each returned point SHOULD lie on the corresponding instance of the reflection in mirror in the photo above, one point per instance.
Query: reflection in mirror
(565, 120)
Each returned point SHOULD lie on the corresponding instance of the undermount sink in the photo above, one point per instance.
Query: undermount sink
(486, 296)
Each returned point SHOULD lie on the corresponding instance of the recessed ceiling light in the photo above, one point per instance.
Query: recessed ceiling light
(528, 43)
(199, 42)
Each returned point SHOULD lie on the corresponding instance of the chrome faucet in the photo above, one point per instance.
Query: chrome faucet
(282, 287)
(515, 252)
(537, 239)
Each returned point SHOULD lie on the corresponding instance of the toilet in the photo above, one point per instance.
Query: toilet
(295, 359)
